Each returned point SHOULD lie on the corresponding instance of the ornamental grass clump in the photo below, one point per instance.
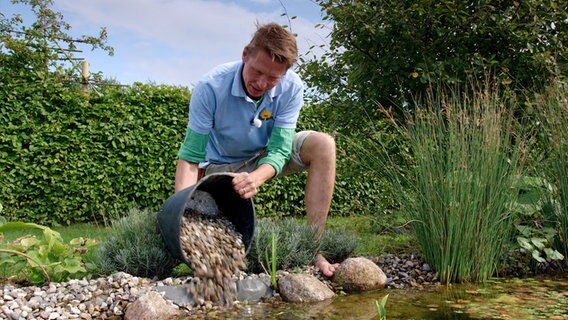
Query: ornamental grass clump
(135, 246)
(553, 106)
(296, 245)
(466, 156)
(455, 185)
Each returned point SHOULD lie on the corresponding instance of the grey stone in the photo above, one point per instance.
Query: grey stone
(177, 294)
(253, 289)
(297, 287)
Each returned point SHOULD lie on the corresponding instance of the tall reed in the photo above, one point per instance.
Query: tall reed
(465, 161)
(553, 106)
(459, 185)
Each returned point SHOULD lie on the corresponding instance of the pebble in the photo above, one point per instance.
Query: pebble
(108, 297)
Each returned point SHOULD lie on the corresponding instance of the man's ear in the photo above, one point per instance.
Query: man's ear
(245, 55)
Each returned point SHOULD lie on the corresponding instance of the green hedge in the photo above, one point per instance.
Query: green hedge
(66, 159)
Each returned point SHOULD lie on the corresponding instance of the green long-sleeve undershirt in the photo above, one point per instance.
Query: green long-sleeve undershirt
(279, 148)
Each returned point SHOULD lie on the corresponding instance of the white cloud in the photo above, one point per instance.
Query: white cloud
(176, 41)
(261, 1)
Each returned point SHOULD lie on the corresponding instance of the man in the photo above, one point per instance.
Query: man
(242, 118)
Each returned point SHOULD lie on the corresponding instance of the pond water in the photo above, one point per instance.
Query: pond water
(529, 298)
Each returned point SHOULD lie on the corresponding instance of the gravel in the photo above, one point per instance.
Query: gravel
(107, 297)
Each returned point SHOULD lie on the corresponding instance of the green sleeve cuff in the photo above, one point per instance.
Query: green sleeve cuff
(193, 147)
(279, 148)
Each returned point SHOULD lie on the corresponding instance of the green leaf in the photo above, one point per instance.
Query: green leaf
(18, 225)
(384, 300)
(539, 243)
(537, 257)
(553, 254)
(525, 243)
(73, 265)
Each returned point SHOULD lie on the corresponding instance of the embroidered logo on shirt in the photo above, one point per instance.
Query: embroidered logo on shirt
(265, 114)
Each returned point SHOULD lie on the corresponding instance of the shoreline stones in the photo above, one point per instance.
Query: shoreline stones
(108, 297)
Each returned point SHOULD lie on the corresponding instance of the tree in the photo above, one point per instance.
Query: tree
(44, 48)
(388, 51)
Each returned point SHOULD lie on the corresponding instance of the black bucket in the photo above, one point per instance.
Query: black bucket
(240, 212)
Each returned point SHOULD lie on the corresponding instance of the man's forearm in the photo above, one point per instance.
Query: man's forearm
(263, 173)
(186, 174)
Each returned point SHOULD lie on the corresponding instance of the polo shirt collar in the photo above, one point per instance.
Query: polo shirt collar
(238, 91)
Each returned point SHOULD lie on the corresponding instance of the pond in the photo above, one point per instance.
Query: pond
(528, 298)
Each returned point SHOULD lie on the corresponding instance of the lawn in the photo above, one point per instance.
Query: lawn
(375, 236)
(91, 231)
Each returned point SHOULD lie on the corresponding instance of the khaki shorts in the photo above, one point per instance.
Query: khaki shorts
(294, 165)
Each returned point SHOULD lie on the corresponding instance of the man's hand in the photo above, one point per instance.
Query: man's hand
(245, 185)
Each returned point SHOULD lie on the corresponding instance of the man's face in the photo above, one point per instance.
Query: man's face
(261, 73)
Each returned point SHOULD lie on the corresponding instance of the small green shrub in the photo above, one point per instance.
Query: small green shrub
(135, 246)
(536, 223)
(337, 244)
(297, 245)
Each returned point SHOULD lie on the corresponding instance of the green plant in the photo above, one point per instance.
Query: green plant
(135, 246)
(388, 51)
(381, 309)
(297, 244)
(337, 244)
(537, 242)
(33, 260)
(553, 115)
(536, 224)
(459, 186)
(271, 260)
(55, 151)
(296, 247)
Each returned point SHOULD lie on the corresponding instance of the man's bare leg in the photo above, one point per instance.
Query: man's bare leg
(318, 151)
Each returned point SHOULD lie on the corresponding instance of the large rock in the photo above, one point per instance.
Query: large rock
(296, 287)
(151, 306)
(359, 274)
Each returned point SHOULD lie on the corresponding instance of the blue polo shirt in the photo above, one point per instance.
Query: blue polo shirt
(221, 111)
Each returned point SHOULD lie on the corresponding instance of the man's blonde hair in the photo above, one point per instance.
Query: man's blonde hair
(278, 42)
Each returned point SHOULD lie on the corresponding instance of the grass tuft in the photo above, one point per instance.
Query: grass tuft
(554, 118)
(457, 187)
(135, 246)
(297, 245)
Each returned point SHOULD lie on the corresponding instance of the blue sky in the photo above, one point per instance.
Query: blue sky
(177, 41)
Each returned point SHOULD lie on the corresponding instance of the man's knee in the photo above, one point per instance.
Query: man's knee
(319, 144)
